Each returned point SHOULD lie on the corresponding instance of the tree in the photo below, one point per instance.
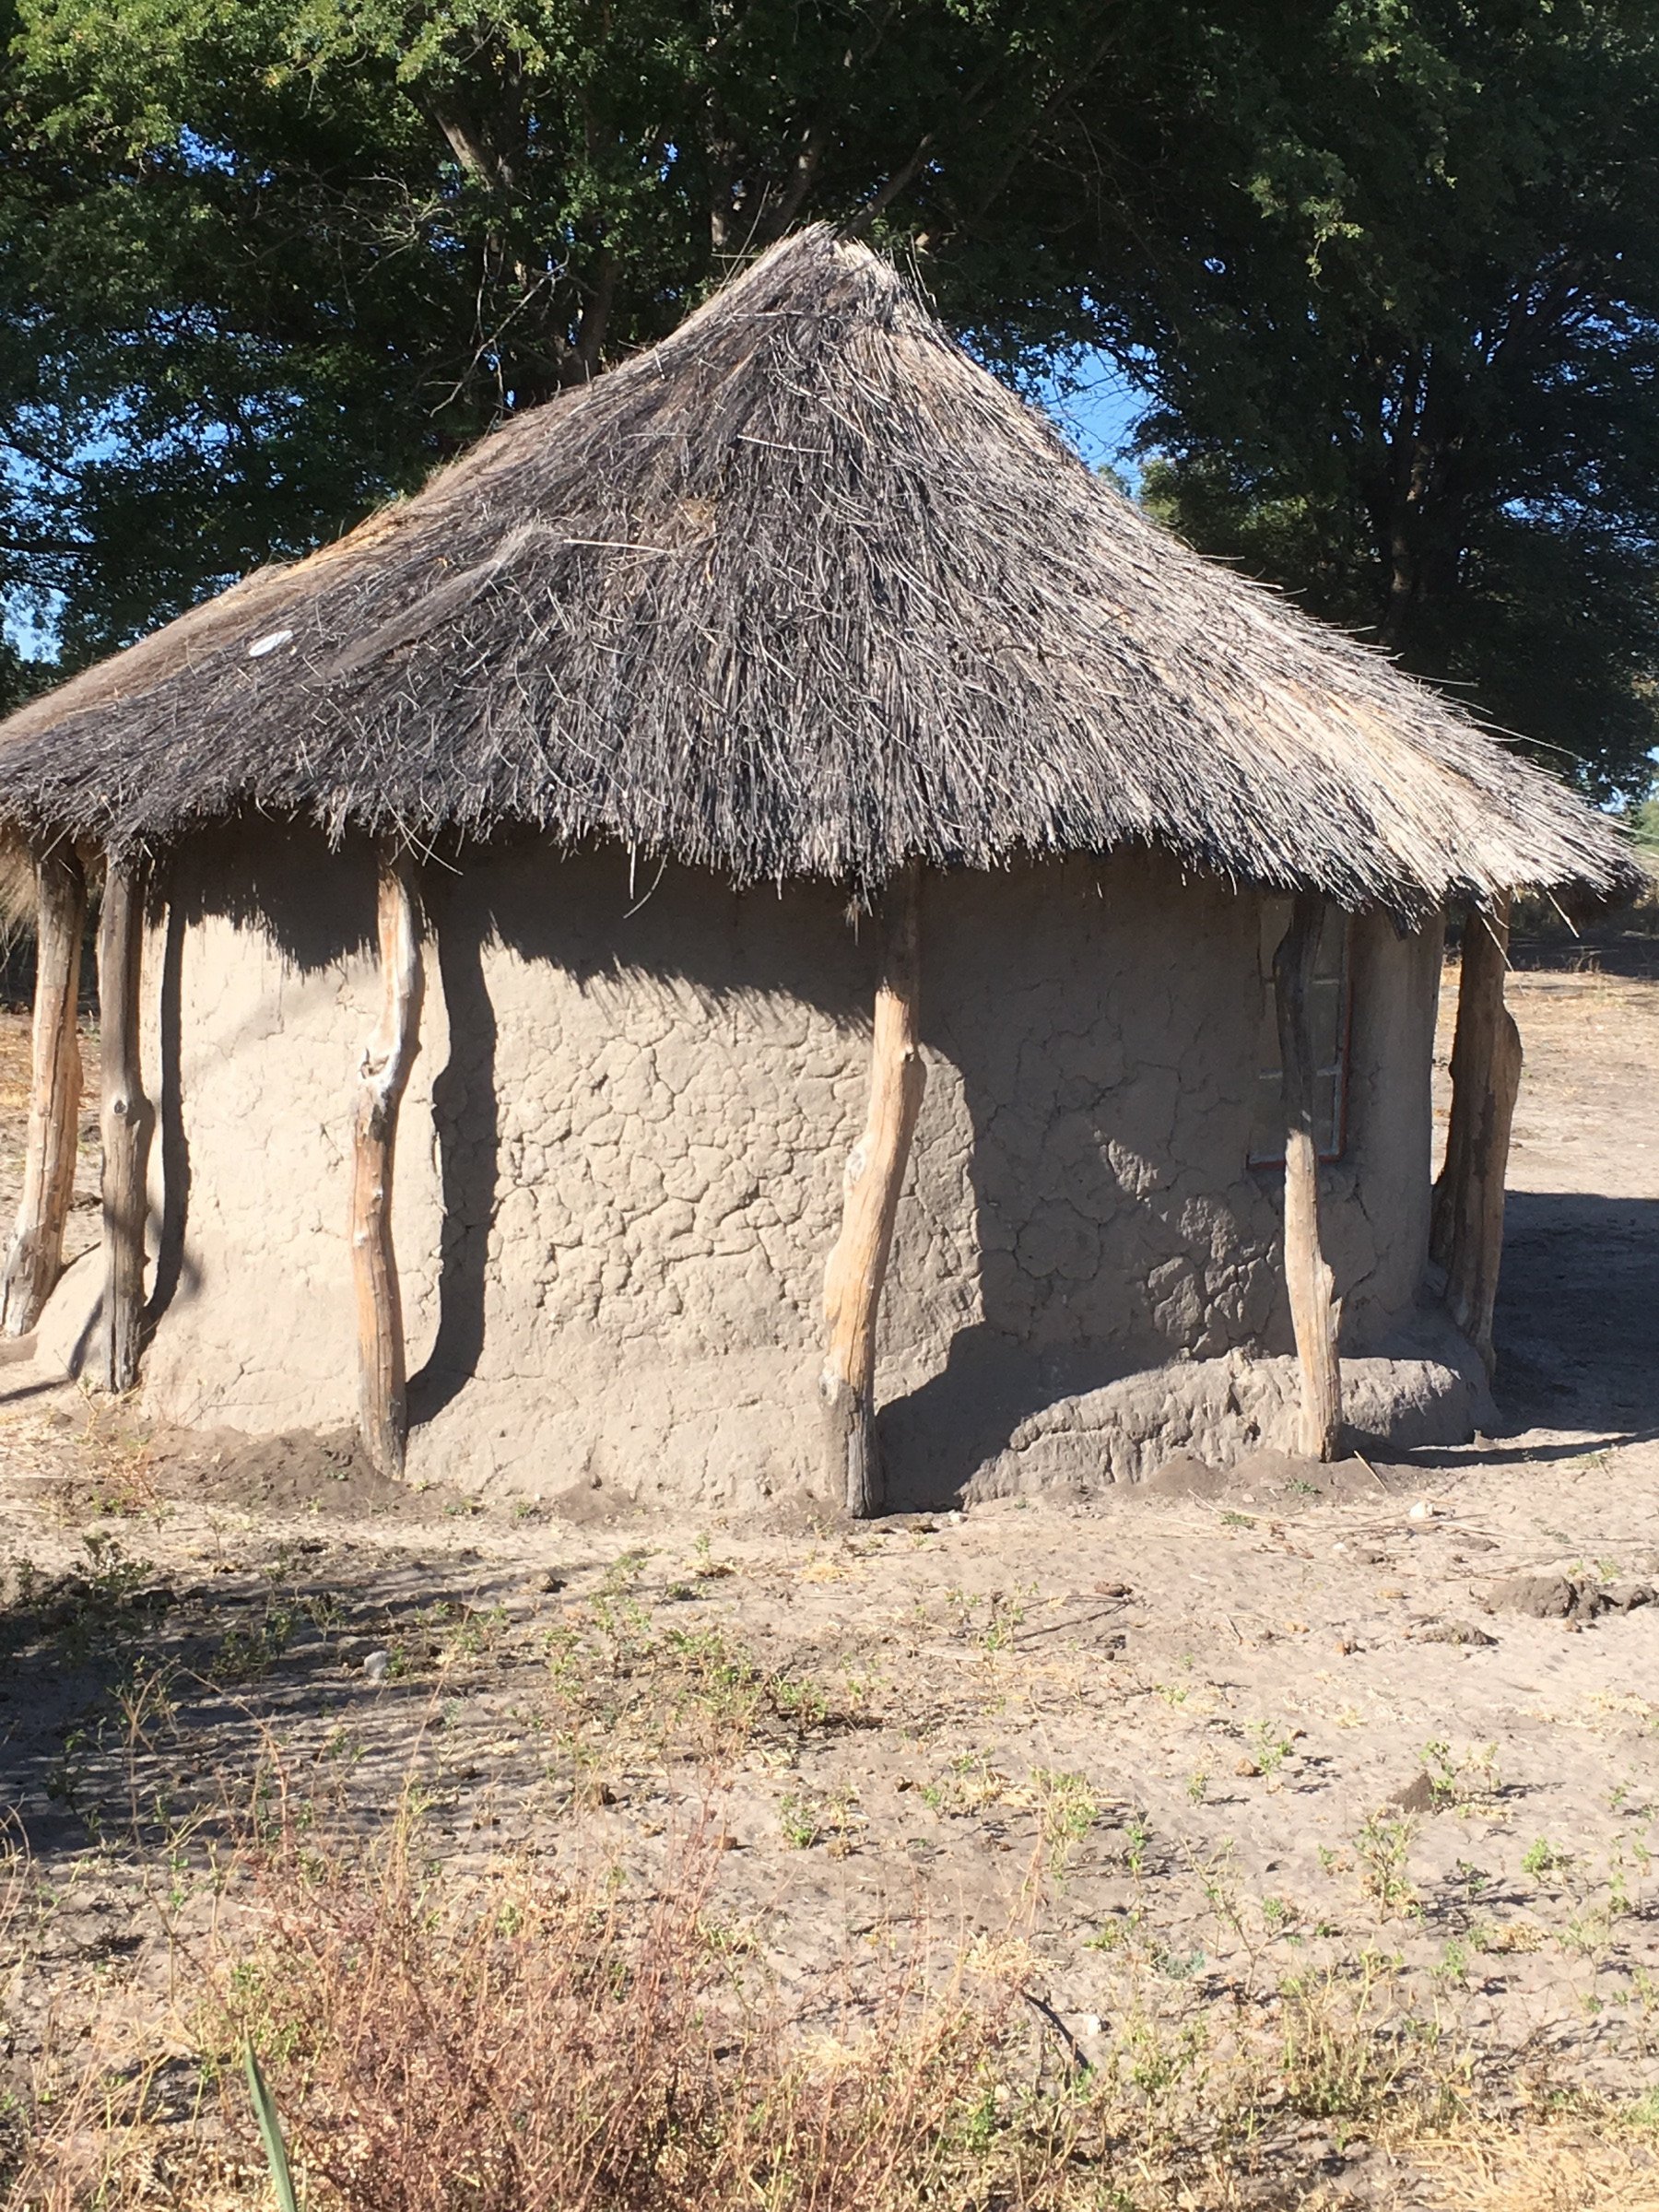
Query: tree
(1410, 366)
(264, 261)
(1387, 271)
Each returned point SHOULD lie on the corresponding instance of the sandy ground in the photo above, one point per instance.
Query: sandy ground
(1189, 1748)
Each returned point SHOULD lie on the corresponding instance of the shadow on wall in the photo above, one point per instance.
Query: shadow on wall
(315, 904)
(175, 1268)
(1109, 1092)
(590, 925)
(468, 1115)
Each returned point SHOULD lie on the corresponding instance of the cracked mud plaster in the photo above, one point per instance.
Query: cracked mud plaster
(620, 1164)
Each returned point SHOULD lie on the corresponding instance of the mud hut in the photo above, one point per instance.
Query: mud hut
(769, 894)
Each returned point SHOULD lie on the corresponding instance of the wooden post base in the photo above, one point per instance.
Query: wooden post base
(382, 1377)
(1467, 1238)
(874, 1175)
(852, 1453)
(1313, 1311)
(36, 1258)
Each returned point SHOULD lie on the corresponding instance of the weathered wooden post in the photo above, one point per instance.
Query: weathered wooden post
(870, 1187)
(1467, 1237)
(383, 1378)
(128, 1119)
(1308, 1278)
(36, 1259)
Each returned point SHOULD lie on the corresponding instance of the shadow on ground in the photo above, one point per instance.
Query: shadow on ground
(1578, 1313)
(129, 1703)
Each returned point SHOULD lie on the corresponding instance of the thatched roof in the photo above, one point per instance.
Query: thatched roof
(801, 592)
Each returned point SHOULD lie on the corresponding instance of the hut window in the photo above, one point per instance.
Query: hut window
(1328, 1009)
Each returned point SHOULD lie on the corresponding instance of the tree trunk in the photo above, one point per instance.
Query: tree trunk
(1313, 1307)
(127, 1118)
(36, 1259)
(1468, 1235)
(874, 1174)
(383, 1378)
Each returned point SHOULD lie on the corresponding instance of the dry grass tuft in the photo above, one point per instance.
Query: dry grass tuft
(501, 2037)
(508, 2041)
(1558, 2167)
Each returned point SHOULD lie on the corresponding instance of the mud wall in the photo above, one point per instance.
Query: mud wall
(620, 1153)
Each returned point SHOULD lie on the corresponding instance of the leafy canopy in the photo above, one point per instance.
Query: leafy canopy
(1387, 272)
(1410, 368)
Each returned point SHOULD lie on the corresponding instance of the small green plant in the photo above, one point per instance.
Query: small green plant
(1334, 2064)
(1162, 2060)
(1067, 1809)
(1136, 1836)
(707, 1567)
(1113, 1934)
(1453, 1962)
(112, 1579)
(967, 1784)
(1382, 1848)
(248, 1654)
(1541, 1859)
(1197, 1788)
(1005, 1619)
(1464, 1781)
(805, 1819)
(798, 1821)
(1268, 1746)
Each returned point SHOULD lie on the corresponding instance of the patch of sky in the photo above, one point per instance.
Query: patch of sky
(198, 153)
(31, 626)
(1095, 405)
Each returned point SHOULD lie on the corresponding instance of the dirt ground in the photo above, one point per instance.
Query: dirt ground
(1393, 1734)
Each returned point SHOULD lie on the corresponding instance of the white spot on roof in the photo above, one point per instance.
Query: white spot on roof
(261, 646)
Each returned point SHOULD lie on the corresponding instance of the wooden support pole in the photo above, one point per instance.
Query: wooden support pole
(1467, 1237)
(1313, 1312)
(36, 1259)
(128, 1119)
(870, 1187)
(383, 1397)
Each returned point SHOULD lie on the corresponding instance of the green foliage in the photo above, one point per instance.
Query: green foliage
(264, 262)
(1406, 368)
(1383, 1848)
(1386, 272)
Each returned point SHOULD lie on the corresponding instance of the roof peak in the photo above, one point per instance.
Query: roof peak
(800, 590)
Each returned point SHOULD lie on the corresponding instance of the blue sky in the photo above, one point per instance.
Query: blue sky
(1097, 414)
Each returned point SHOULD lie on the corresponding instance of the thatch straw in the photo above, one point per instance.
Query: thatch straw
(801, 592)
